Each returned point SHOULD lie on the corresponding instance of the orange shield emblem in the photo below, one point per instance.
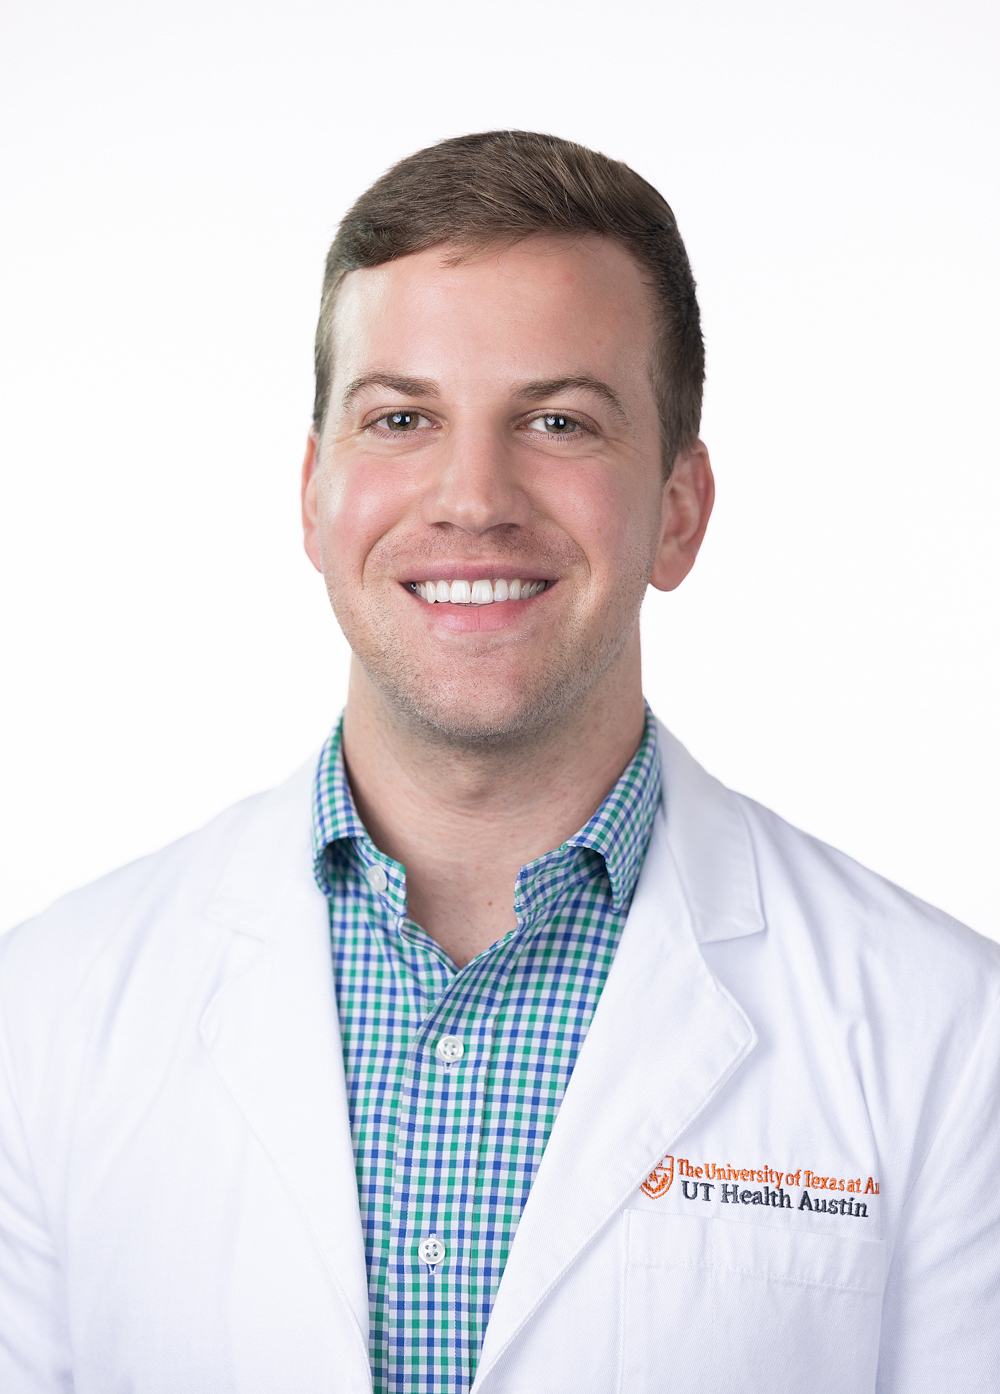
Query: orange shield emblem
(657, 1183)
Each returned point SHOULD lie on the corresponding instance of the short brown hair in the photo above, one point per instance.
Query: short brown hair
(496, 186)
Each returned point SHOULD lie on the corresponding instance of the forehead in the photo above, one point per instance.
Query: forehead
(544, 307)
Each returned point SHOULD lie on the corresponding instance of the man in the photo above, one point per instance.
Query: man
(502, 1047)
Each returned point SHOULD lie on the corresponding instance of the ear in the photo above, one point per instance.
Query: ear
(688, 496)
(310, 532)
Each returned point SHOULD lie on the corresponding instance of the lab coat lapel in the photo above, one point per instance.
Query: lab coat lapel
(272, 1031)
(665, 1038)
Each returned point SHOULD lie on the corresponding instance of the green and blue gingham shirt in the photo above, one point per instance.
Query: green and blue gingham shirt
(449, 1147)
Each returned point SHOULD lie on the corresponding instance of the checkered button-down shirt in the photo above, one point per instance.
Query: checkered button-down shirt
(455, 1076)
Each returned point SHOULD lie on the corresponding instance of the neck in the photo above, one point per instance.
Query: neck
(463, 822)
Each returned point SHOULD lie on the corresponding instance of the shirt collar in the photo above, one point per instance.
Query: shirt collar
(334, 814)
(621, 827)
(338, 830)
(618, 832)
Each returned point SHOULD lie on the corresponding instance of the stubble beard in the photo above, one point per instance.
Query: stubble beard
(488, 712)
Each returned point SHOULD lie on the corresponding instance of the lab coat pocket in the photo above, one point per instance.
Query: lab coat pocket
(716, 1306)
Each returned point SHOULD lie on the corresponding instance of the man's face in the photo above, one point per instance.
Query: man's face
(491, 419)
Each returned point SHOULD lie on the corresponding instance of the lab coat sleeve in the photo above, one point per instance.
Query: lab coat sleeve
(941, 1312)
(34, 1347)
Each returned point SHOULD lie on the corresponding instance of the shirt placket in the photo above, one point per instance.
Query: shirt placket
(438, 1141)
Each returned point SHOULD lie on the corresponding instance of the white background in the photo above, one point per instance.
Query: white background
(172, 175)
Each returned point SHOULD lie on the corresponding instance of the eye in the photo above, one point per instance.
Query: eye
(555, 424)
(403, 421)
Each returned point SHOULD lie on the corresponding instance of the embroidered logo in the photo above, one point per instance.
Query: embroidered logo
(712, 1181)
(657, 1183)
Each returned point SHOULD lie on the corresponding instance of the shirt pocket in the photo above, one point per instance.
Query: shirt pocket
(716, 1306)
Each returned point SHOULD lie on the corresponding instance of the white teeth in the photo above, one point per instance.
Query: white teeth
(476, 592)
(482, 593)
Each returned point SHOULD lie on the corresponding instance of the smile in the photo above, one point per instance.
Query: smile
(475, 592)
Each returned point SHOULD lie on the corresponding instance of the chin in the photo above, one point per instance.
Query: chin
(474, 724)
(484, 716)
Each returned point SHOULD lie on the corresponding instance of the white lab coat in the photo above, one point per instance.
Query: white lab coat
(178, 1205)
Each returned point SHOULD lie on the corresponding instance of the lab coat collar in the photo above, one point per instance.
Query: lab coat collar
(273, 1034)
(711, 846)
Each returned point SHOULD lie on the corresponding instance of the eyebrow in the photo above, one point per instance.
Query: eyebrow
(535, 391)
(551, 387)
(406, 387)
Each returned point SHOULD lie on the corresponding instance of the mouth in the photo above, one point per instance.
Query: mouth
(476, 592)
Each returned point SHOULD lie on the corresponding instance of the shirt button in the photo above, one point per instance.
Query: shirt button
(431, 1250)
(449, 1049)
(376, 878)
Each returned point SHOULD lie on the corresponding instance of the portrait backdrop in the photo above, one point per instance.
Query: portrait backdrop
(171, 178)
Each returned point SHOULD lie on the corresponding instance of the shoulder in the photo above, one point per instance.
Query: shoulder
(55, 950)
(806, 881)
(747, 869)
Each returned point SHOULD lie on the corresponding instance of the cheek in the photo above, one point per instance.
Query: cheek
(612, 515)
(359, 502)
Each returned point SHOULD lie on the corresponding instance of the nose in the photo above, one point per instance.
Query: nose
(475, 484)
